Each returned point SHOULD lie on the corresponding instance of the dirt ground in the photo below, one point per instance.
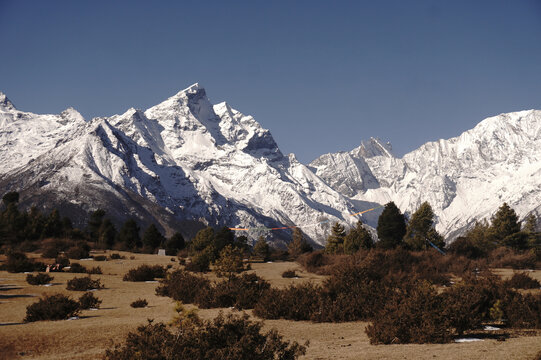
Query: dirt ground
(95, 331)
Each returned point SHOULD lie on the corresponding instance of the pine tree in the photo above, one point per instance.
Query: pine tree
(261, 249)
(129, 234)
(107, 234)
(229, 262)
(530, 226)
(203, 239)
(504, 223)
(335, 241)
(298, 244)
(94, 222)
(357, 238)
(53, 225)
(391, 227)
(175, 243)
(222, 238)
(152, 238)
(420, 229)
(534, 237)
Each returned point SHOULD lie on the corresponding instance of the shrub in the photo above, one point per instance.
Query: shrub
(99, 258)
(50, 252)
(18, 262)
(84, 284)
(353, 292)
(464, 246)
(116, 256)
(468, 304)
(522, 311)
(200, 262)
(182, 286)
(145, 273)
(88, 301)
(78, 252)
(54, 307)
(39, 279)
(289, 274)
(316, 262)
(229, 262)
(225, 337)
(241, 292)
(77, 268)
(139, 303)
(296, 302)
(505, 257)
(94, 270)
(412, 315)
(521, 280)
(62, 260)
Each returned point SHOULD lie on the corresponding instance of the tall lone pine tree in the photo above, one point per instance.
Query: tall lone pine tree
(391, 227)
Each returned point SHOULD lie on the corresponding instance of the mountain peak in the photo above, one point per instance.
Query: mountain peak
(190, 90)
(5, 102)
(373, 147)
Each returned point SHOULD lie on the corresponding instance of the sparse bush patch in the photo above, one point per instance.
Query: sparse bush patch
(94, 270)
(241, 292)
(139, 303)
(412, 315)
(226, 337)
(88, 301)
(84, 284)
(521, 280)
(145, 273)
(39, 279)
(77, 268)
(18, 262)
(78, 252)
(296, 302)
(288, 274)
(54, 307)
(182, 286)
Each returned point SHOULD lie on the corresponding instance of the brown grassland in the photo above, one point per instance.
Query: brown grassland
(97, 330)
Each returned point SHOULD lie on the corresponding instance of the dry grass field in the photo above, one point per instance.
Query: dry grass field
(88, 336)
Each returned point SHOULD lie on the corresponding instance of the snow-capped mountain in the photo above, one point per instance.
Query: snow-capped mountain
(183, 160)
(465, 178)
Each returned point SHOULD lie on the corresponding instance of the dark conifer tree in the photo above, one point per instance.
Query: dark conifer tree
(420, 229)
(504, 223)
(391, 227)
(107, 234)
(53, 225)
(335, 241)
(94, 222)
(357, 238)
(152, 238)
(298, 244)
(129, 234)
(261, 249)
(175, 243)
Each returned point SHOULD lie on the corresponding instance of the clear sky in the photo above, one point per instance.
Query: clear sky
(321, 75)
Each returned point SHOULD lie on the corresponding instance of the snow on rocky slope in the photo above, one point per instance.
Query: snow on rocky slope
(465, 178)
(181, 160)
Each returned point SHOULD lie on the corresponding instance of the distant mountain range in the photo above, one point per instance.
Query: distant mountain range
(186, 163)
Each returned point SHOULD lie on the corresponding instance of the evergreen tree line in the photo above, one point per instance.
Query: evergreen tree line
(419, 233)
(18, 226)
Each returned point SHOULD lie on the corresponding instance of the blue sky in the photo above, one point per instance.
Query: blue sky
(321, 75)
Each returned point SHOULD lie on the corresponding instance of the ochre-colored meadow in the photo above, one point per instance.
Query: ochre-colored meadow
(95, 331)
